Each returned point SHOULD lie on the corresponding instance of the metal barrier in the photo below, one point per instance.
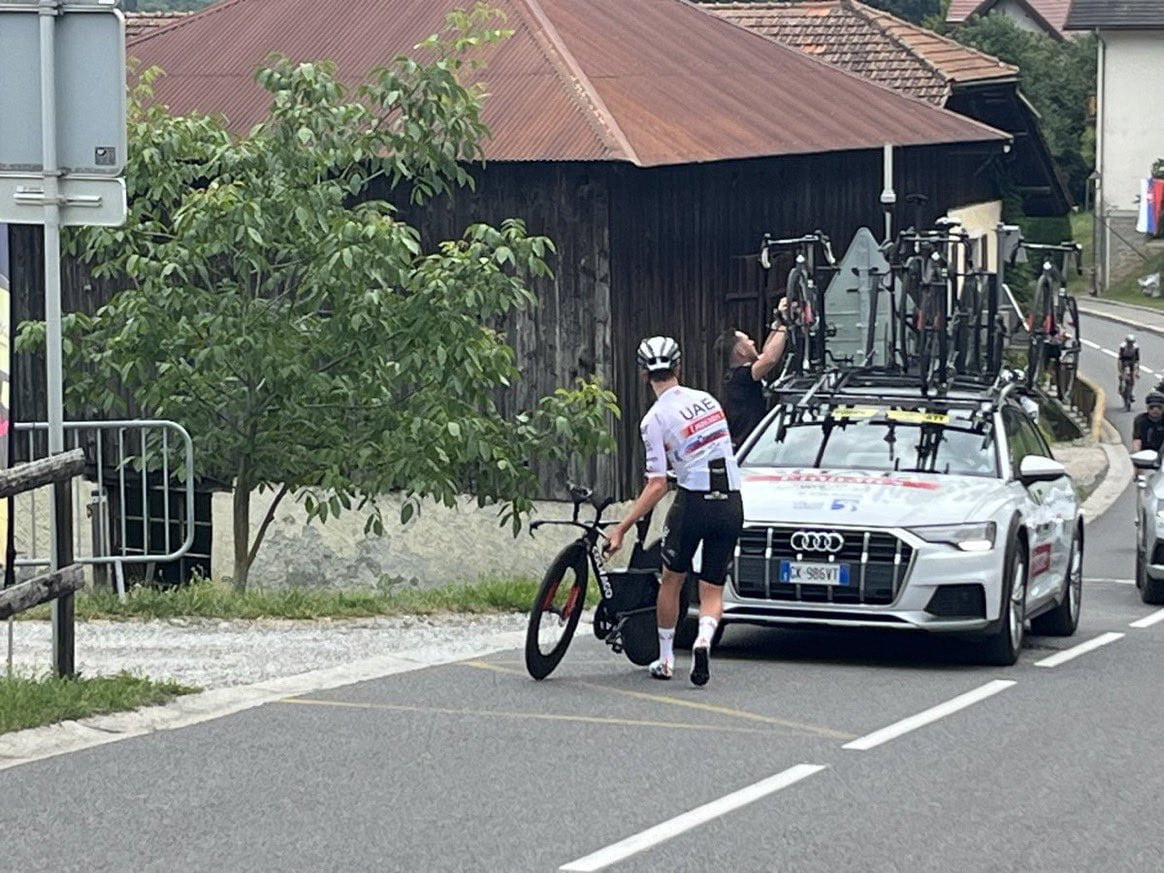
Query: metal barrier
(122, 457)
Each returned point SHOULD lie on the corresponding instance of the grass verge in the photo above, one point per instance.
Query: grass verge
(27, 702)
(207, 599)
(1124, 288)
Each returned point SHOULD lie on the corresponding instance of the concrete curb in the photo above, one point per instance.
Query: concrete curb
(36, 744)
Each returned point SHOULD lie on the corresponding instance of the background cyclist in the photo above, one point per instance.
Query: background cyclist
(686, 431)
(1128, 359)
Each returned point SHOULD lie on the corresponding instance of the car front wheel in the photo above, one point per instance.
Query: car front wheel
(1002, 647)
(1151, 590)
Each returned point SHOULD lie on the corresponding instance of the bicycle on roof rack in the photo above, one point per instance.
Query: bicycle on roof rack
(1053, 322)
(807, 324)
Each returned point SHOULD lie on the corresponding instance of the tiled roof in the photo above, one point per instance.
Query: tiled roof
(652, 82)
(870, 43)
(138, 23)
(1117, 14)
(1052, 14)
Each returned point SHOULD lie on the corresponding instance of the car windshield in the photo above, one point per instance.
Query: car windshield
(877, 438)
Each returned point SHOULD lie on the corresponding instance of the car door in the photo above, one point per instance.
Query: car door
(1022, 440)
(1051, 512)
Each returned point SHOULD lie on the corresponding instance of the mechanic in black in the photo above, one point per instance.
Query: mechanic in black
(744, 368)
(1148, 428)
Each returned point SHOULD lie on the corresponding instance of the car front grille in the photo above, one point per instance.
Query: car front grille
(878, 564)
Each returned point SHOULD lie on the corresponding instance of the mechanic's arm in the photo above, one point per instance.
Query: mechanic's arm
(771, 353)
(648, 498)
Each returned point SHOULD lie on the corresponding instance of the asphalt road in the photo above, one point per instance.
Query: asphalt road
(809, 751)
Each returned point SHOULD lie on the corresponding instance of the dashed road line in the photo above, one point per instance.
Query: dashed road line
(1114, 581)
(1149, 620)
(929, 716)
(700, 815)
(1091, 345)
(1082, 649)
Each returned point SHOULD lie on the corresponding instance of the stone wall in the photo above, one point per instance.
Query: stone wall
(440, 546)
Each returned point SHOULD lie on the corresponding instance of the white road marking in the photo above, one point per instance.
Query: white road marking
(1082, 649)
(1149, 372)
(1090, 344)
(688, 820)
(1115, 581)
(1149, 620)
(1109, 353)
(914, 722)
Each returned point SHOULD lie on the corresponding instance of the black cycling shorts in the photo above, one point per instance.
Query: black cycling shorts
(713, 520)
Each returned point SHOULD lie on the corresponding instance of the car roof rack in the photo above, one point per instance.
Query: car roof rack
(839, 387)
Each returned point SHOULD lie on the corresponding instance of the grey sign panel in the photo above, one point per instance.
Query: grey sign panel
(82, 201)
(89, 50)
(850, 298)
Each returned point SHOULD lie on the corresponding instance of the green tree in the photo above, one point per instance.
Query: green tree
(296, 327)
(1057, 77)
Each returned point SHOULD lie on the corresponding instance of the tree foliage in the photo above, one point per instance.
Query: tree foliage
(1057, 77)
(297, 328)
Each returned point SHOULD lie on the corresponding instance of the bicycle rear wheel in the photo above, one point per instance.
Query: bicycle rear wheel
(556, 609)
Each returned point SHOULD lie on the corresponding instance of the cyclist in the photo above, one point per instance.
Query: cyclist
(1148, 427)
(686, 431)
(744, 367)
(1128, 359)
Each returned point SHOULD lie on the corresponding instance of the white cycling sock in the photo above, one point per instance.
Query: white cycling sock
(707, 626)
(667, 645)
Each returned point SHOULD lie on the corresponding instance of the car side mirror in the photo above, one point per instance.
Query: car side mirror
(1146, 459)
(1036, 468)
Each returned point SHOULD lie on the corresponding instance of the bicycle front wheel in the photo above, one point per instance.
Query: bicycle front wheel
(556, 611)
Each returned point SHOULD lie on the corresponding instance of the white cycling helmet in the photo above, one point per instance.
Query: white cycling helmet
(1130, 339)
(658, 353)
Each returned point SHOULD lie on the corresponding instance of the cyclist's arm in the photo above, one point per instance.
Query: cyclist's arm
(1137, 443)
(652, 492)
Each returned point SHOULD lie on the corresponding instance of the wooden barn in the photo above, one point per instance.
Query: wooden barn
(652, 140)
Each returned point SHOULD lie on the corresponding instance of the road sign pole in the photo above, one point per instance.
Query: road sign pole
(59, 518)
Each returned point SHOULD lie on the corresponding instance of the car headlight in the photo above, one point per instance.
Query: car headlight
(967, 537)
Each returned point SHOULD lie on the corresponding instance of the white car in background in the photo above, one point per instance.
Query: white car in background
(1149, 527)
(870, 505)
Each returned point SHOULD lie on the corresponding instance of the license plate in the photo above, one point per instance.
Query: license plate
(810, 573)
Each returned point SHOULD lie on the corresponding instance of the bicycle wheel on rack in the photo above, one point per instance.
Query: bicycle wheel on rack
(556, 609)
(1035, 359)
(1065, 373)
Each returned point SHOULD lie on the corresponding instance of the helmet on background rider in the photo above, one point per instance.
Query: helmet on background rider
(1130, 339)
(1155, 398)
(658, 353)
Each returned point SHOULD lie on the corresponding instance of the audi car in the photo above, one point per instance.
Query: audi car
(869, 504)
(1149, 527)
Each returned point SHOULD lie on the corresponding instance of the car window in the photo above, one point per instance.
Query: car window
(1022, 437)
(876, 439)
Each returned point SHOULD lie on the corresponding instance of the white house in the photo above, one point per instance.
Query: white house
(1130, 113)
(1037, 16)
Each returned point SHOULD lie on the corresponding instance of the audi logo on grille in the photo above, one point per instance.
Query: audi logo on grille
(818, 541)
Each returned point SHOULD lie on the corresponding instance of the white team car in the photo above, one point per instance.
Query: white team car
(1149, 527)
(869, 505)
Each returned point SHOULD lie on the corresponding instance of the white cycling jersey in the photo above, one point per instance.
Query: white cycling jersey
(684, 432)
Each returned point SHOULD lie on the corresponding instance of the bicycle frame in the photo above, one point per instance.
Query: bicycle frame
(806, 310)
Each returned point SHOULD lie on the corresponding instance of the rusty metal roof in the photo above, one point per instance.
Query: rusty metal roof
(871, 43)
(652, 82)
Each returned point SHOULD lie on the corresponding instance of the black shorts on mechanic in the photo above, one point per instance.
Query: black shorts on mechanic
(713, 518)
